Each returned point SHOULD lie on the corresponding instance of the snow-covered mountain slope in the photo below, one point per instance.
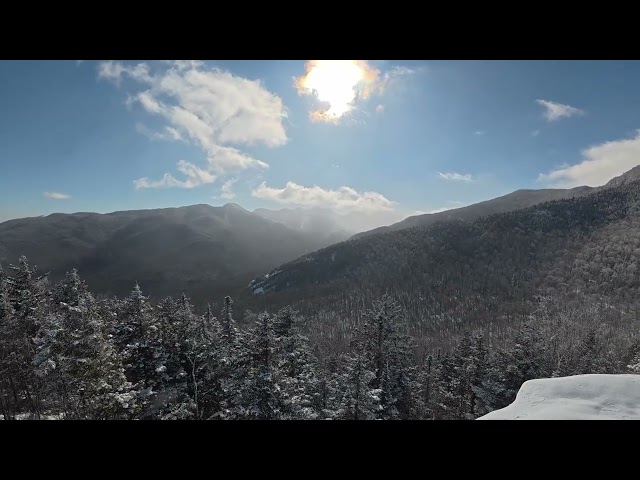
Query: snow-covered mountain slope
(580, 397)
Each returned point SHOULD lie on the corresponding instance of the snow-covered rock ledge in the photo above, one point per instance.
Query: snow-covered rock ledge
(581, 397)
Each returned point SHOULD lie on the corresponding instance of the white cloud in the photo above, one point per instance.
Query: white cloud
(111, 71)
(379, 108)
(555, 111)
(56, 195)
(169, 133)
(149, 103)
(227, 189)
(226, 159)
(535, 133)
(185, 64)
(456, 177)
(342, 199)
(210, 108)
(479, 132)
(601, 163)
(194, 178)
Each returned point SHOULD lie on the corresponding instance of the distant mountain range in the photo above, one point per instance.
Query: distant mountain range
(203, 250)
(209, 251)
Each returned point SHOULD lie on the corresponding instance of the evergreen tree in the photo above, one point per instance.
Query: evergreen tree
(28, 299)
(358, 399)
(70, 290)
(526, 360)
(389, 357)
(593, 356)
(234, 362)
(260, 395)
(445, 403)
(138, 339)
(79, 365)
(296, 368)
(229, 329)
(8, 393)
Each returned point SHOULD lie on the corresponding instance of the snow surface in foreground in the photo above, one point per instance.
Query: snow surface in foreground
(581, 397)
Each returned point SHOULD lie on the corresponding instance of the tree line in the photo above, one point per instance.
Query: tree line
(65, 353)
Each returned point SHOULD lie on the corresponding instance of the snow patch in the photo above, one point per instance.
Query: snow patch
(580, 397)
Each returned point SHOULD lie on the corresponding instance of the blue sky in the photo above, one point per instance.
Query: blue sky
(382, 138)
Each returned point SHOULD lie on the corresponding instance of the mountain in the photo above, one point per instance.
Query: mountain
(627, 177)
(484, 270)
(512, 201)
(201, 249)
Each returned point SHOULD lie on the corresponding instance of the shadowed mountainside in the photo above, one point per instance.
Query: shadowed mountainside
(200, 248)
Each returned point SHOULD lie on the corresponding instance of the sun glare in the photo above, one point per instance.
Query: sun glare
(335, 83)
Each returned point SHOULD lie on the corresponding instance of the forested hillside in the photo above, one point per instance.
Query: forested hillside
(483, 273)
(507, 203)
(200, 248)
(66, 354)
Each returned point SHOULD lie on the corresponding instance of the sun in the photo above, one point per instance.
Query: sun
(335, 83)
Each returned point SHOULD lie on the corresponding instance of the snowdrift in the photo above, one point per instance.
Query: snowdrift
(580, 397)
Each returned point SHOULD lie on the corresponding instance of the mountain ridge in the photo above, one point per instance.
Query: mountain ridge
(199, 248)
(515, 200)
(579, 245)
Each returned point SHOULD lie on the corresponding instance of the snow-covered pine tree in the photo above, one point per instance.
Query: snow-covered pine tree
(592, 354)
(296, 368)
(70, 290)
(469, 363)
(8, 393)
(229, 329)
(425, 381)
(445, 402)
(138, 339)
(234, 362)
(79, 365)
(28, 297)
(476, 370)
(634, 366)
(207, 353)
(389, 355)
(527, 358)
(358, 399)
(196, 343)
(259, 393)
(329, 396)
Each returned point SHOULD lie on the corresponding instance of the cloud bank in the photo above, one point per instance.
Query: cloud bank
(343, 199)
(600, 164)
(210, 108)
